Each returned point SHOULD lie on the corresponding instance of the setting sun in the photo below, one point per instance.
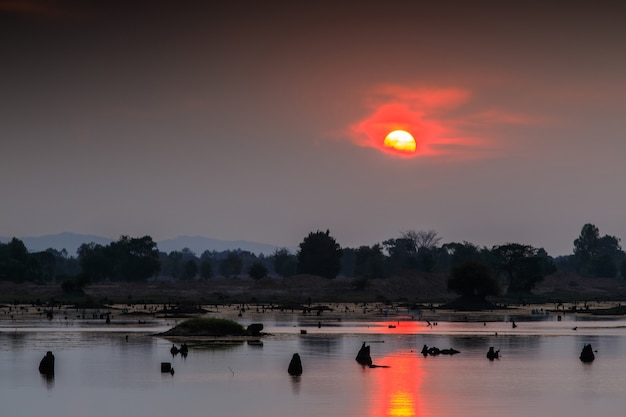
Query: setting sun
(400, 140)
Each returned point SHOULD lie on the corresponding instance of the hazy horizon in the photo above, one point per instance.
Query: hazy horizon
(265, 121)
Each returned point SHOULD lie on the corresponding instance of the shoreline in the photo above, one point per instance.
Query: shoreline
(134, 314)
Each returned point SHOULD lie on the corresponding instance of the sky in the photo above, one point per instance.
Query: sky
(265, 121)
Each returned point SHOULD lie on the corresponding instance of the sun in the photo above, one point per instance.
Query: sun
(400, 140)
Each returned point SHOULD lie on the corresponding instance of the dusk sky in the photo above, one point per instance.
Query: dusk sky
(265, 120)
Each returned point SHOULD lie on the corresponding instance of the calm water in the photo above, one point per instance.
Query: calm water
(100, 373)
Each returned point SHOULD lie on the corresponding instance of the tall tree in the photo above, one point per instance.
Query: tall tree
(597, 256)
(460, 253)
(190, 270)
(231, 266)
(523, 265)
(402, 254)
(285, 263)
(585, 246)
(134, 259)
(206, 270)
(257, 270)
(426, 239)
(319, 254)
(16, 264)
(94, 261)
(370, 262)
(130, 259)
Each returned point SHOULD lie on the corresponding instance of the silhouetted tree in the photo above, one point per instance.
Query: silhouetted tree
(370, 262)
(285, 263)
(47, 264)
(426, 239)
(94, 261)
(523, 265)
(134, 259)
(17, 264)
(426, 259)
(402, 254)
(190, 270)
(473, 279)
(460, 253)
(257, 270)
(131, 259)
(206, 270)
(319, 255)
(231, 265)
(597, 256)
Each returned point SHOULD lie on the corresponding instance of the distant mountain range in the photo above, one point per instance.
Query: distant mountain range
(198, 244)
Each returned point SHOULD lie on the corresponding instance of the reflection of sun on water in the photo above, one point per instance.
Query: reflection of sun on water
(395, 391)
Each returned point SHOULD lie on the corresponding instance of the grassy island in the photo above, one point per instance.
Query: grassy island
(207, 327)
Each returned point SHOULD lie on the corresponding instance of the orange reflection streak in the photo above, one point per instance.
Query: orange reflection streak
(400, 327)
(396, 390)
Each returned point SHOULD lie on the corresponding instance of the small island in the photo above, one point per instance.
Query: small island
(212, 327)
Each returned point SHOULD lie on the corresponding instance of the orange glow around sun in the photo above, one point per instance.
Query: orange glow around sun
(421, 114)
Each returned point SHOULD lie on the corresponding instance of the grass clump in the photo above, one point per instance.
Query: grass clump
(207, 327)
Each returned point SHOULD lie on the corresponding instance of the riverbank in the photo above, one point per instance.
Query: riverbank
(314, 314)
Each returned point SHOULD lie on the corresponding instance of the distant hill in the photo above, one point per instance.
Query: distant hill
(68, 241)
(198, 244)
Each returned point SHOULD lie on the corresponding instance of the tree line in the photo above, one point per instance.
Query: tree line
(519, 267)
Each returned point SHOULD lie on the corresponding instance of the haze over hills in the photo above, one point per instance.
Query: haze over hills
(198, 244)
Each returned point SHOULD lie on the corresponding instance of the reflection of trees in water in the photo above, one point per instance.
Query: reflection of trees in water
(217, 346)
(295, 385)
(469, 343)
(16, 341)
(314, 344)
(49, 380)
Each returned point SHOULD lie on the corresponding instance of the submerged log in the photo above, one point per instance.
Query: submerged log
(491, 354)
(46, 366)
(363, 357)
(587, 354)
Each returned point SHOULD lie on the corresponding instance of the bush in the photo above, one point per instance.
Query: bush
(208, 327)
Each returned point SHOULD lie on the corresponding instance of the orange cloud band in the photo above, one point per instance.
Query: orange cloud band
(421, 112)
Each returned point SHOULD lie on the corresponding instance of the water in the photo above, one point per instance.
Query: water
(100, 373)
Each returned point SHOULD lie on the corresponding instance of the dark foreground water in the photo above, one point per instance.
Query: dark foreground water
(100, 373)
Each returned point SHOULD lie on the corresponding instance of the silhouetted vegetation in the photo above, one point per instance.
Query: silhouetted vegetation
(128, 259)
(207, 327)
(516, 268)
(257, 270)
(473, 279)
(319, 254)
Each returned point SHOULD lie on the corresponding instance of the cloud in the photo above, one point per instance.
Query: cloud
(437, 118)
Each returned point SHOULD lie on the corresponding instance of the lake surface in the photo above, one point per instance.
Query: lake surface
(99, 372)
